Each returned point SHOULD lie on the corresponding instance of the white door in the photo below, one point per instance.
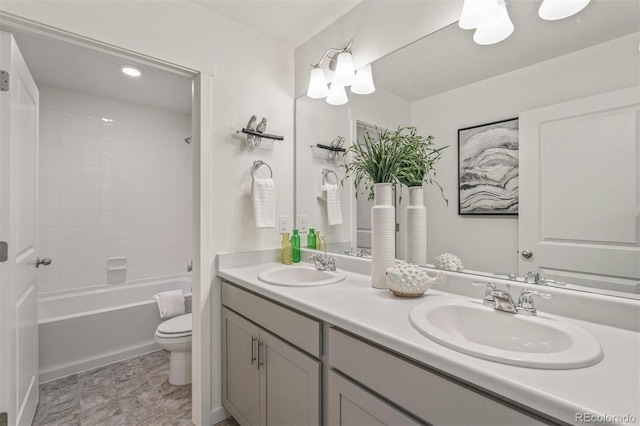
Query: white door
(580, 191)
(18, 202)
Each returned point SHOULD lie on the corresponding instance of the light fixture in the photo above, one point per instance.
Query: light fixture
(340, 75)
(337, 95)
(491, 19)
(131, 71)
(552, 10)
(478, 12)
(496, 31)
(363, 85)
(317, 84)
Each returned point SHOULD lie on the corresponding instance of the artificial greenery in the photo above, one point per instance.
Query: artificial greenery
(401, 157)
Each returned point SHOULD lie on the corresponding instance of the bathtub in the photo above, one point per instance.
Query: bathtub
(92, 327)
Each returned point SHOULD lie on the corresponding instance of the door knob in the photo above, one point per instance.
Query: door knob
(527, 254)
(45, 261)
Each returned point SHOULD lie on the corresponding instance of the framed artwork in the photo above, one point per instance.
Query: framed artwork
(488, 169)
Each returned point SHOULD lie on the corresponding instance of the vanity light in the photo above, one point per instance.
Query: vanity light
(552, 10)
(317, 84)
(496, 31)
(131, 71)
(478, 12)
(363, 85)
(337, 95)
(341, 74)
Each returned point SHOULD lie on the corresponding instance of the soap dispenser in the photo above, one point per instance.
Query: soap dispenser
(295, 246)
(311, 239)
(286, 249)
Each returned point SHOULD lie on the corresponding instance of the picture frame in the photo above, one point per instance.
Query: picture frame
(488, 174)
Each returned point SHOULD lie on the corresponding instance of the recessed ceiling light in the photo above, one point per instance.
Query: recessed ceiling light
(131, 71)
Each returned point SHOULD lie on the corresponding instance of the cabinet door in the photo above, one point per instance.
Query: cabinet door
(289, 382)
(240, 374)
(351, 405)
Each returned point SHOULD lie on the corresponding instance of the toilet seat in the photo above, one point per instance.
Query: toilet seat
(175, 328)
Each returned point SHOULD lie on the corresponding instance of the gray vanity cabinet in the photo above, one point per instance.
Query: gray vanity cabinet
(267, 380)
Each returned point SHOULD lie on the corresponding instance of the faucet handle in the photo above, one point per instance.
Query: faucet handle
(488, 301)
(525, 302)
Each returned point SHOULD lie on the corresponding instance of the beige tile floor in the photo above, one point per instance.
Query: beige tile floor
(134, 392)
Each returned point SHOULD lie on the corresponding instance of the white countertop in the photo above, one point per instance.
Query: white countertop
(609, 388)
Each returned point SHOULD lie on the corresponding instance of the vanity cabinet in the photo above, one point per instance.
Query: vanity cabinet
(267, 378)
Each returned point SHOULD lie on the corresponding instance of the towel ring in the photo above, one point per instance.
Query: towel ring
(325, 172)
(257, 164)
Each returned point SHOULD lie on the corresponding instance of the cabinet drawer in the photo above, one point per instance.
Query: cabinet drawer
(429, 396)
(300, 330)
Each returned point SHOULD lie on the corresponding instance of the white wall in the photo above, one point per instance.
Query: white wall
(252, 74)
(111, 189)
(491, 243)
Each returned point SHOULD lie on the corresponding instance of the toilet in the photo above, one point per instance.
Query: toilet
(174, 335)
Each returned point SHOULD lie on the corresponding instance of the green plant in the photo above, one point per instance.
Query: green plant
(401, 157)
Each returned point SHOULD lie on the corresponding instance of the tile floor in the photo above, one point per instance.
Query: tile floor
(134, 392)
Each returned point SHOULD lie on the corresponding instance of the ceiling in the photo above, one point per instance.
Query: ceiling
(291, 22)
(443, 60)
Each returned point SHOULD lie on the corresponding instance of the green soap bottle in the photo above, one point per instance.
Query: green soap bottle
(295, 246)
(311, 239)
(286, 249)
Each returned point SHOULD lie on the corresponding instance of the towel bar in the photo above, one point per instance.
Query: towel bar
(257, 164)
(325, 172)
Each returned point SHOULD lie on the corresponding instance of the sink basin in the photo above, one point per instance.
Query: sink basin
(542, 341)
(300, 276)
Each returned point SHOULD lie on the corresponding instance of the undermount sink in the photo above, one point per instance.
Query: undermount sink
(300, 276)
(542, 341)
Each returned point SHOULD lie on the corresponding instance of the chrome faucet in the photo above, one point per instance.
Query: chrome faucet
(535, 278)
(501, 300)
(324, 264)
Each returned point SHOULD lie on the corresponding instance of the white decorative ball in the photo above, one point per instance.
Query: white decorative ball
(448, 262)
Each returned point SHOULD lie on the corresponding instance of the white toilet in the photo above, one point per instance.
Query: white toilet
(174, 335)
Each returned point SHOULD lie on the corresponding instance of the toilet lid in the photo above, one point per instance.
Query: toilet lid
(179, 324)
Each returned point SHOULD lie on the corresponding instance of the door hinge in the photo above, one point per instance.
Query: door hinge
(4, 251)
(4, 81)
(397, 227)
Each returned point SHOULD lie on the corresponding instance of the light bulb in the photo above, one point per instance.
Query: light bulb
(552, 10)
(476, 13)
(363, 85)
(496, 31)
(317, 84)
(131, 71)
(337, 95)
(344, 70)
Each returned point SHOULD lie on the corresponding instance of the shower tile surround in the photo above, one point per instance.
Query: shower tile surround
(115, 181)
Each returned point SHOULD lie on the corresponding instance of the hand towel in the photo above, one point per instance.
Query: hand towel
(264, 202)
(334, 211)
(170, 303)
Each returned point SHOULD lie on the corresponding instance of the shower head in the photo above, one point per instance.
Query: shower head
(188, 140)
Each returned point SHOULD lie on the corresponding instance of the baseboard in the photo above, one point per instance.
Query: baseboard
(77, 367)
(218, 415)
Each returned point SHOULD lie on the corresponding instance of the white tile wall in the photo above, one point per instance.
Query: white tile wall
(111, 189)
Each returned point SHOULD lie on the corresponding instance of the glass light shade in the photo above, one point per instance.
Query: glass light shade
(344, 70)
(317, 84)
(552, 10)
(337, 95)
(363, 85)
(497, 31)
(476, 13)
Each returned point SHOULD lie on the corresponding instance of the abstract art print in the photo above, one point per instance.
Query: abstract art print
(488, 169)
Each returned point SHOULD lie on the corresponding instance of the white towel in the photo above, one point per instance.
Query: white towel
(170, 303)
(263, 193)
(334, 211)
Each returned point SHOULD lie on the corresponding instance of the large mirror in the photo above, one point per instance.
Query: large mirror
(566, 81)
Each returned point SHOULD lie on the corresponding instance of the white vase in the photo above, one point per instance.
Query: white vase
(383, 234)
(415, 246)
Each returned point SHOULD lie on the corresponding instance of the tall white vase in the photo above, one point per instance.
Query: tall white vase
(415, 247)
(383, 234)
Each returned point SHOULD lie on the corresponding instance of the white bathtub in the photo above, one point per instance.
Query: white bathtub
(80, 330)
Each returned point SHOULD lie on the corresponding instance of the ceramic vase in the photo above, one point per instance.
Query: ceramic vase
(415, 246)
(383, 234)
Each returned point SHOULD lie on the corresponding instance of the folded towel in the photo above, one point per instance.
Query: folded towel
(334, 211)
(170, 303)
(264, 202)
